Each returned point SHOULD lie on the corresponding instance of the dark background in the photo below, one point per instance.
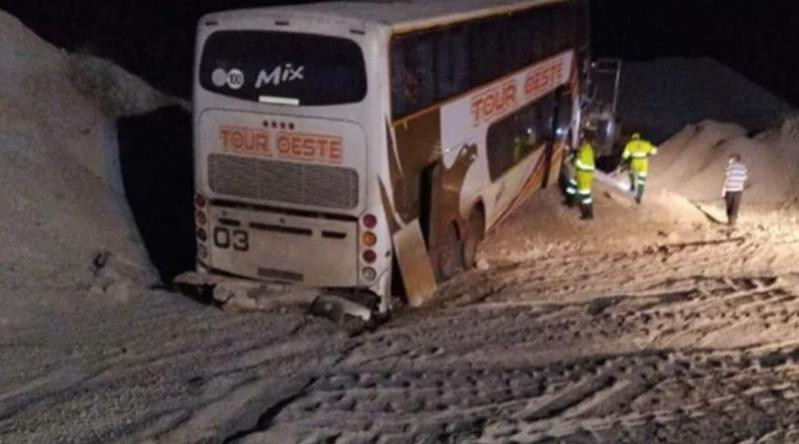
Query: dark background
(155, 39)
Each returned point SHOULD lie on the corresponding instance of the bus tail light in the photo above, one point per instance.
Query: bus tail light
(201, 218)
(369, 256)
(369, 239)
(369, 274)
(199, 200)
(369, 220)
(202, 252)
(202, 234)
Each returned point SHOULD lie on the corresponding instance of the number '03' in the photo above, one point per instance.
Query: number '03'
(238, 239)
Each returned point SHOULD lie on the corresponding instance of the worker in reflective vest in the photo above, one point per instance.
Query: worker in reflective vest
(637, 153)
(585, 167)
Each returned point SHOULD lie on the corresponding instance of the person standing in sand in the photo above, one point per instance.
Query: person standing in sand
(637, 153)
(585, 167)
(734, 185)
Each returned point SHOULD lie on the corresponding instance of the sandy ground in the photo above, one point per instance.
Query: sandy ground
(684, 337)
(648, 324)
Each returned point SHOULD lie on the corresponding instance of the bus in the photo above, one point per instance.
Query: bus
(348, 145)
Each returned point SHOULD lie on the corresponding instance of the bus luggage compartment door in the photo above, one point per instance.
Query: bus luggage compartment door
(285, 248)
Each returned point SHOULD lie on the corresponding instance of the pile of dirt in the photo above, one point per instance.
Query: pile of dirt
(692, 163)
(66, 225)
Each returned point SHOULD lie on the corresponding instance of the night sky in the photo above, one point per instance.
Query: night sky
(759, 38)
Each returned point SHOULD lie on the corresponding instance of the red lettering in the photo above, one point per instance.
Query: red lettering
(335, 151)
(322, 147)
(296, 146)
(310, 147)
(494, 103)
(284, 145)
(541, 80)
(261, 141)
(477, 103)
(509, 96)
(224, 133)
(244, 140)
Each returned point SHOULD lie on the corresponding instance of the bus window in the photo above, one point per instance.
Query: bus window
(311, 69)
(431, 66)
(515, 137)
(564, 32)
(522, 40)
(544, 30)
(412, 74)
(452, 62)
(486, 57)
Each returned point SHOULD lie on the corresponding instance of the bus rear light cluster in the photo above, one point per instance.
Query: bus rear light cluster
(369, 256)
(369, 239)
(369, 221)
(369, 274)
(201, 220)
(199, 200)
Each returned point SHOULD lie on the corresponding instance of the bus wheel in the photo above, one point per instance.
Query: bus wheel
(473, 237)
(450, 256)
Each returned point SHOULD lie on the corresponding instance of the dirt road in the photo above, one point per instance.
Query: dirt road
(684, 337)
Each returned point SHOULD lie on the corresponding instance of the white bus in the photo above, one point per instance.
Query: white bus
(334, 140)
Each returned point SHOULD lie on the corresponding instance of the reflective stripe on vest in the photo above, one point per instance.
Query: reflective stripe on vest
(581, 166)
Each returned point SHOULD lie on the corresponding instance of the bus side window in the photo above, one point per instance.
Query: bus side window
(420, 67)
(563, 26)
(546, 117)
(452, 62)
(537, 36)
(399, 87)
(544, 31)
(515, 137)
(524, 39)
(413, 83)
(486, 52)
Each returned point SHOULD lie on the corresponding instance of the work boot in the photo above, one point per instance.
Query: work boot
(587, 212)
(639, 194)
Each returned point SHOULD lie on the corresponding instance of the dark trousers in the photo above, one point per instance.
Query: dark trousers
(733, 200)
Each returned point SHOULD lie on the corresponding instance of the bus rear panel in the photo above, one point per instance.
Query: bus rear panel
(282, 156)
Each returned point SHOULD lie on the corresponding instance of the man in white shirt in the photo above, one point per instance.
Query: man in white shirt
(734, 185)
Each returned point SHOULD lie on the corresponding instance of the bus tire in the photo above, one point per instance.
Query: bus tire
(450, 256)
(474, 235)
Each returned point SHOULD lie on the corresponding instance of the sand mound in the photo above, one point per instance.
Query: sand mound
(692, 162)
(63, 212)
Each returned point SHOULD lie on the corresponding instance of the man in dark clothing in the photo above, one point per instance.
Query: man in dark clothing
(734, 184)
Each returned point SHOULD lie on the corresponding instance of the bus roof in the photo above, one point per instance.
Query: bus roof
(400, 15)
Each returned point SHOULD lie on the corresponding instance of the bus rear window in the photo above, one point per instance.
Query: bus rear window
(284, 68)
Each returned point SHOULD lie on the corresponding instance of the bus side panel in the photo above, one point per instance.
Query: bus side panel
(401, 200)
(418, 153)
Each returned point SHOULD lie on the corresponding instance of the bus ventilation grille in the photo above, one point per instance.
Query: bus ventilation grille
(295, 183)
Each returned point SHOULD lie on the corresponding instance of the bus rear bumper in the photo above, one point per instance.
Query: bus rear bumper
(248, 295)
